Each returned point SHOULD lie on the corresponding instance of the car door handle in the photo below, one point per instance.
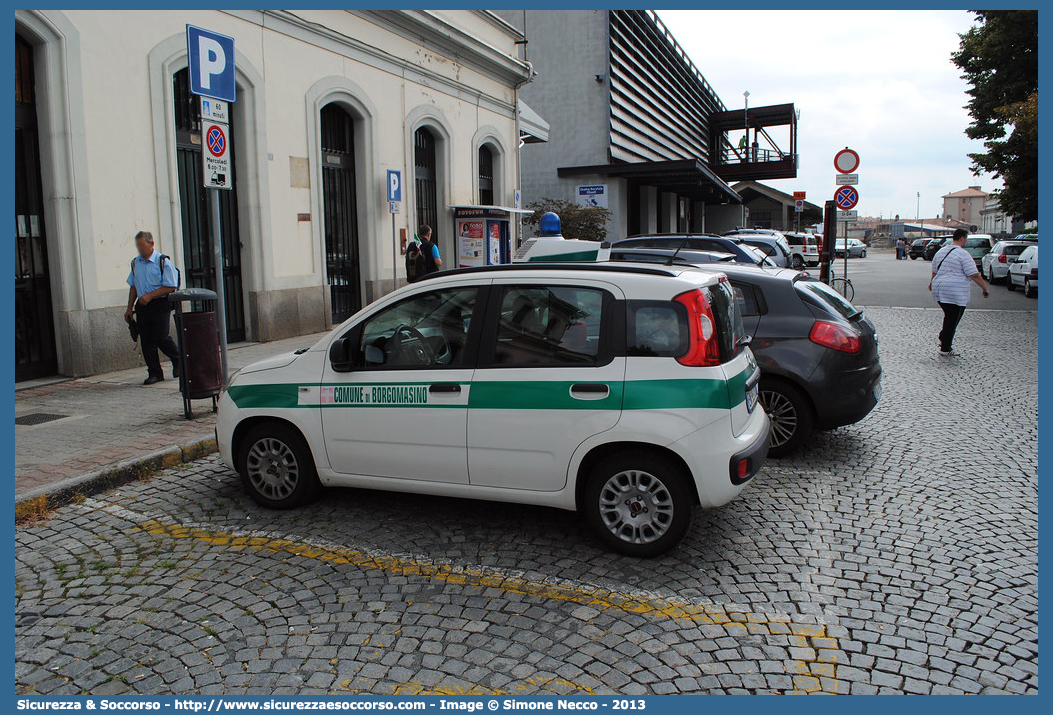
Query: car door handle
(590, 388)
(445, 388)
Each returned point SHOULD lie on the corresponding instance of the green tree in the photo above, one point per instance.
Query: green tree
(585, 222)
(999, 58)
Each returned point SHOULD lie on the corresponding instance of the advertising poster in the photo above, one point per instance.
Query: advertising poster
(471, 244)
(495, 243)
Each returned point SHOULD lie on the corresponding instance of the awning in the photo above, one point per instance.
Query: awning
(687, 177)
(488, 209)
(532, 128)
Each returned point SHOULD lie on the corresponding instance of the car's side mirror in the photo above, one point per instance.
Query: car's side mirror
(341, 356)
(374, 355)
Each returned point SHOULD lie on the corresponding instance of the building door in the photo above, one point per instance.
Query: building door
(35, 354)
(425, 182)
(196, 215)
(340, 220)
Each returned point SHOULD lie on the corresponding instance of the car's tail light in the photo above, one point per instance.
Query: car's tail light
(835, 337)
(703, 346)
(1034, 273)
(1002, 259)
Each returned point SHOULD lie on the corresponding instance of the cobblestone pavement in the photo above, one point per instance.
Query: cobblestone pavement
(107, 418)
(896, 555)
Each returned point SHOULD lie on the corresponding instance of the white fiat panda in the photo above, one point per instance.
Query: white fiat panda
(626, 392)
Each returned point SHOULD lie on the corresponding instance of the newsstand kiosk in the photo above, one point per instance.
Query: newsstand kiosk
(484, 234)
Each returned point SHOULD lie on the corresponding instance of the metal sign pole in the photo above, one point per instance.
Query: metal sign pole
(217, 264)
(394, 255)
(846, 251)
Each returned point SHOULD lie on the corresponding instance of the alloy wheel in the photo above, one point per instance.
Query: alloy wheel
(272, 468)
(781, 414)
(636, 506)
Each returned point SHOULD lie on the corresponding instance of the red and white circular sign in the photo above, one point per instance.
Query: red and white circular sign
(846, 161)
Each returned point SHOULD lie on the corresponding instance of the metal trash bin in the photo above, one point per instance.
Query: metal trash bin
(200, 372)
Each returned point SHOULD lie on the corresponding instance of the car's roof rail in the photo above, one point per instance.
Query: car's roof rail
(542, 266)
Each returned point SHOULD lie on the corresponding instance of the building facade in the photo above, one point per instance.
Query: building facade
(965, 206)
(999, 224)
(765, 207)
(108, 143)
(636, 128)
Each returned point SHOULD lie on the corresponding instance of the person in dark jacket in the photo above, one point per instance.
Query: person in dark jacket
(425, 252)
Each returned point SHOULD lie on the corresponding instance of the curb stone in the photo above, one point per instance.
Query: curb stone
(37, 502)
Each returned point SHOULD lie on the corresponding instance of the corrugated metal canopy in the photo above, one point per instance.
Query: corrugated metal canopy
(687, 177)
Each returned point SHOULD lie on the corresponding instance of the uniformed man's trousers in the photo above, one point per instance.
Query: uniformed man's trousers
(154, 320)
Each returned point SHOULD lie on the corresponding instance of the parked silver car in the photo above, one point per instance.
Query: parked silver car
(995, 264)
(856, 248)
(1023, 272)
(771, 242)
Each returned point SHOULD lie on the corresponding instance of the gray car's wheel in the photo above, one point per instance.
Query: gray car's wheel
(276, 466)
(990, 275)
(797, 262)
(638, 504)
(790, 414)
(1028, 290)
(1009, 282)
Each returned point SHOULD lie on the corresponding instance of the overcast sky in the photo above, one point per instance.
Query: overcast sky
(879, 82)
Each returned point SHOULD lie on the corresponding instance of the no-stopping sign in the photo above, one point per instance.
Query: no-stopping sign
(846, 197)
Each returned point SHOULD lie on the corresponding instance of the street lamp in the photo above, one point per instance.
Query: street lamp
(917, 215)
(746, 120)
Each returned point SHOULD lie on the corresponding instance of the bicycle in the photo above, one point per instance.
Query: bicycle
(842, 285)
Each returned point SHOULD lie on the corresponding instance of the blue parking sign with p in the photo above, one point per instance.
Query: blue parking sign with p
(394, 185)
(211, 59)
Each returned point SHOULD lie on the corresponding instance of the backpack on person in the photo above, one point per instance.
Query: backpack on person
(416, 263)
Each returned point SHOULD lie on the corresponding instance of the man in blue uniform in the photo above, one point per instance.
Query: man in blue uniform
(150, 281)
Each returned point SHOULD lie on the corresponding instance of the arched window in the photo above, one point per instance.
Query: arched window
(486, 176)
(425, 180)
(340, 211)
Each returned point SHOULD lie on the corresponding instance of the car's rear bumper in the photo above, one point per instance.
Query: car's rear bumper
(846, 396)
(754, 456)
(711, 452)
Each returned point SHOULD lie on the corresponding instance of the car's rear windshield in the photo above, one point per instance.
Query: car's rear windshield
(977, 243)
(827, 296)
(729, 319)
(1014, 250)
(656, 328)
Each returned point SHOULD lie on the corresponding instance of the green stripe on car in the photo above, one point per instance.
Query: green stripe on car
(683, 393)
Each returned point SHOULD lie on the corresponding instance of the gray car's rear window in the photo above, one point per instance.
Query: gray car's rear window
(827, 296)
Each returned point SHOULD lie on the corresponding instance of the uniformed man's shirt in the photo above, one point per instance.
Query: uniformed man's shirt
(146, 275)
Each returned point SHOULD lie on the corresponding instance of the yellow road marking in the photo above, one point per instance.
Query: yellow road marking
(734, 623)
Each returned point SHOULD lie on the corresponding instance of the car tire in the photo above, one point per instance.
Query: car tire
(797, 262)
(990, 275)
(639, 504)
(1009, 282)
(913, 258)
(276, 466)
(863, 254)
(790, 413)
(1029, 292)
